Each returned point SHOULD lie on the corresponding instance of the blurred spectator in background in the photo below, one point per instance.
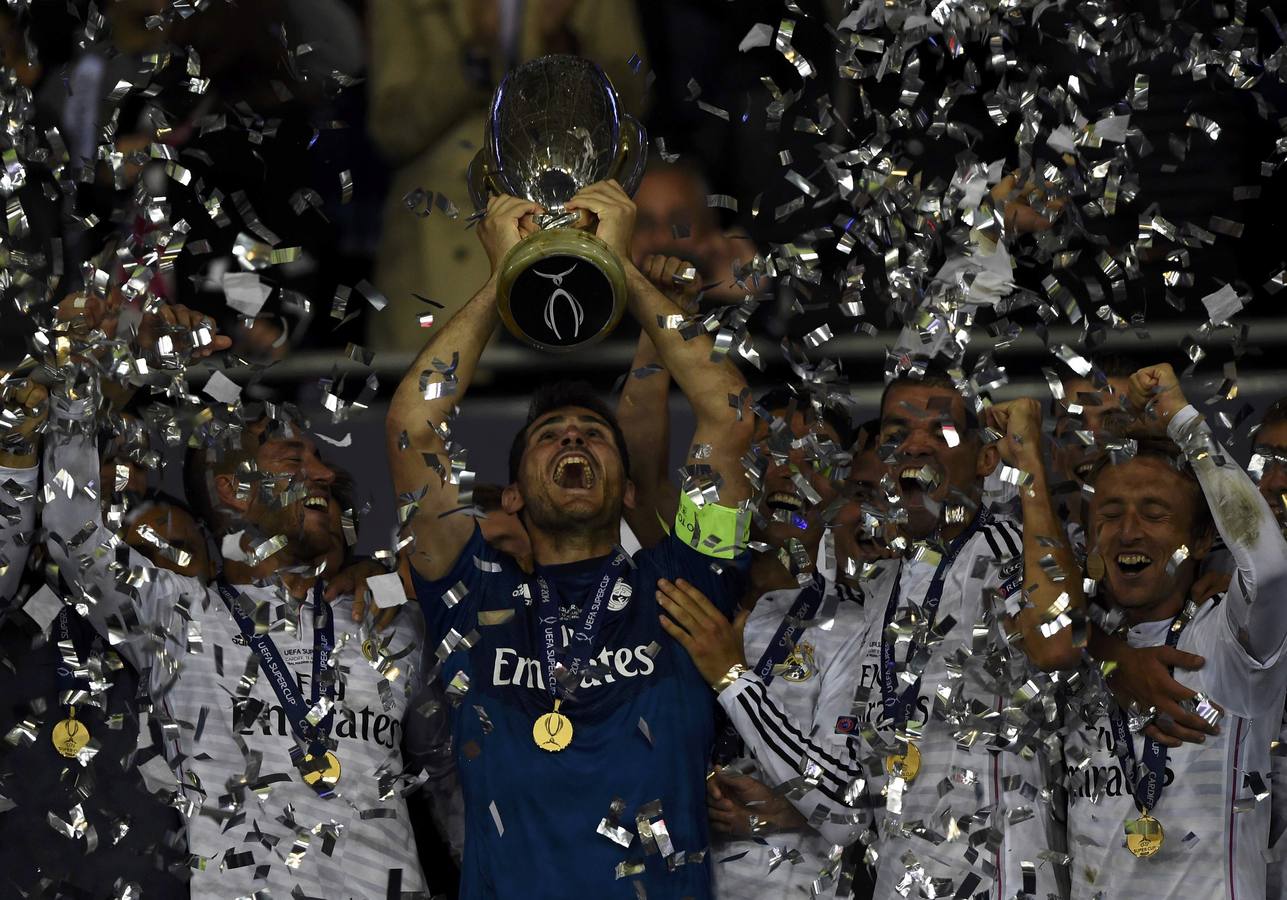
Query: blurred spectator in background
(674, 218)
(433, 69)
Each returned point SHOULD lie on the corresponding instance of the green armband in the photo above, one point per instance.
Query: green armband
(711, 529)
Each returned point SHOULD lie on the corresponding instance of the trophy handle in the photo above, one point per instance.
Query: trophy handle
(481, 183)
(632, 154)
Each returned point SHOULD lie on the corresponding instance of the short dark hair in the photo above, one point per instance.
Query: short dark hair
(934, 376)
(867, 437)
(783, 396)
(1167, 452)
(487, 497)
(557, 395)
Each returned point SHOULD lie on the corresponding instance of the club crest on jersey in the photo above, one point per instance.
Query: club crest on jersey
(621, 592)
(799, 666)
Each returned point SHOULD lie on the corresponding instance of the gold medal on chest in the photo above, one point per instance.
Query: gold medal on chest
(553, 731)
(70, 736)
(1144, 836)
(905, 765)
(327, 772)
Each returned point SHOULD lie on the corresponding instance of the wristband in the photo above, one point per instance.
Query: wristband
(735, 671)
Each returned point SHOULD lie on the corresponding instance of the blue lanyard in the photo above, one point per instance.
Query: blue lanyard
(729, 745)
(898, 706)
(581, 649)
(1146, 777)
(284, 684)
(72, 637)
(794, 622)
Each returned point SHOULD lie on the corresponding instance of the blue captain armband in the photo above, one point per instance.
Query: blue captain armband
(712, 530)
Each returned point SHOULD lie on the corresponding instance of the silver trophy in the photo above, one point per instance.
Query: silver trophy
(555, 126)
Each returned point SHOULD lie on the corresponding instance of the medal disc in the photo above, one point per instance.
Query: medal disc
(552, 732)
(905, 765)
(328, 773)
(1095, 567)
(70, 737)
(369, 649)
(1144, 836)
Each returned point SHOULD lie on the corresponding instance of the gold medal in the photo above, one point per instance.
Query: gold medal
(328, 773)
(369, 649)
(1144, 836)
(553, 731)
(1095, 566)
(70, 735)
(905, 765)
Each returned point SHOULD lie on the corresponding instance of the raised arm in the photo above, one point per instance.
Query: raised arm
(1255, 604)
(644, 412)
(419, 459)
(22, 414)
(724, 428)
(117, 581)
(1051, 575)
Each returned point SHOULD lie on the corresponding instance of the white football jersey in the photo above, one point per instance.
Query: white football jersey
(1214, 809)
(252, 821)
(791, 725)
(977, 816)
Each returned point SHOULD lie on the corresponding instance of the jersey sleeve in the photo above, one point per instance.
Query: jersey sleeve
(17, 521)
(126, 595)
(1254, 606)
(789, 755)
(481, 578)
(721, 580)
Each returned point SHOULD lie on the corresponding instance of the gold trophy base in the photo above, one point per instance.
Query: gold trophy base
(561, 289)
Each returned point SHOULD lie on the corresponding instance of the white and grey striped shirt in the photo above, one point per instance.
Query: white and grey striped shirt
(252, 822)
(790, 728)
(1216, 831)
(978, 814)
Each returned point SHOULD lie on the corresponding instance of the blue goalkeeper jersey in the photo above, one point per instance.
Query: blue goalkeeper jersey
(625, 802)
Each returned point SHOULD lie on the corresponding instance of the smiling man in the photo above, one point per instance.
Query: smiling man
(946, 781)
(1132, 799)
(282, 716)
(581, 730)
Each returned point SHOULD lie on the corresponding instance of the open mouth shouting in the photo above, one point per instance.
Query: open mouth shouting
(1083, 471)
(785, 501)
(574, 471)
(915, 482)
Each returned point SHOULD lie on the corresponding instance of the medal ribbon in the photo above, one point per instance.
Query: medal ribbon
(578, 653)
(1146, 786)
(71, 634)
(729, 745)
(284, 684)
(794, 622)
(898, 706)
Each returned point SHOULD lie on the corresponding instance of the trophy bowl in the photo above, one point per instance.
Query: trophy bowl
(555, 126)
